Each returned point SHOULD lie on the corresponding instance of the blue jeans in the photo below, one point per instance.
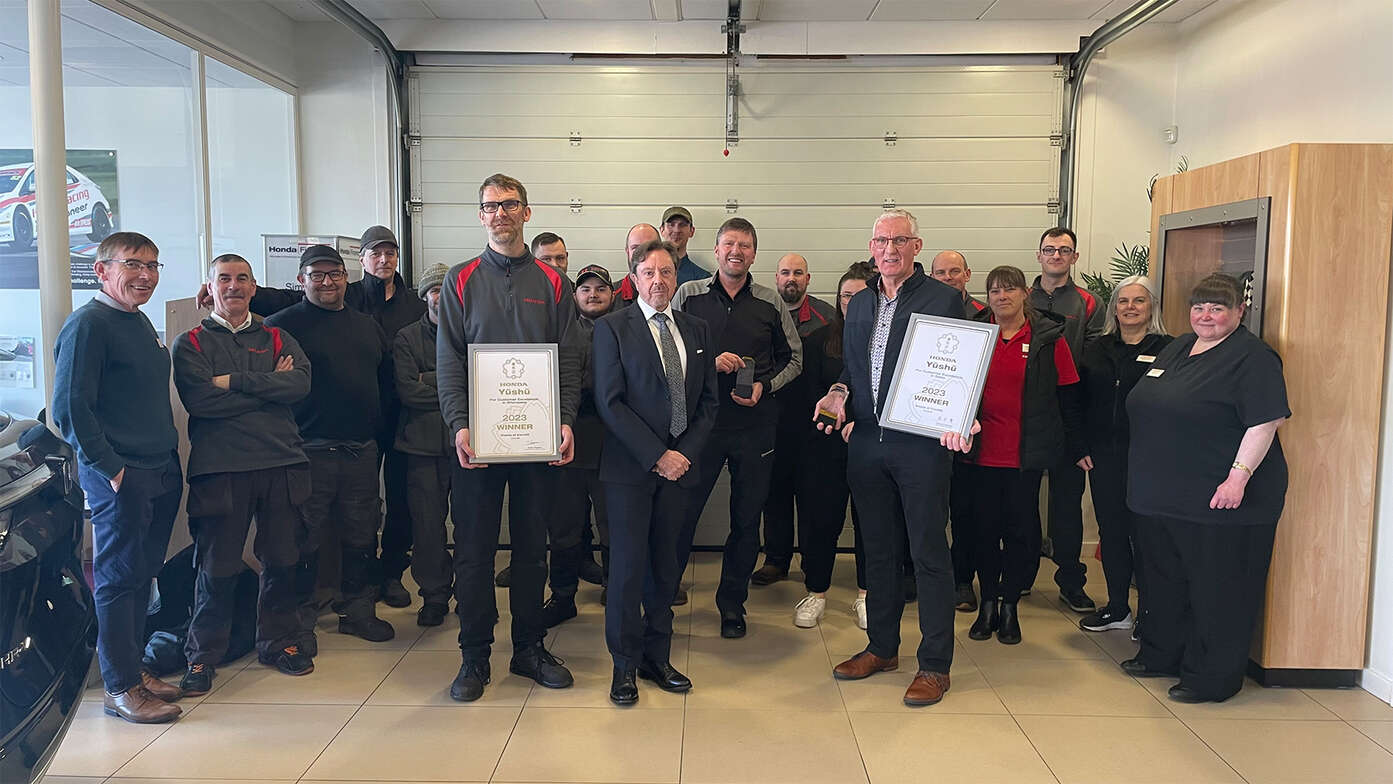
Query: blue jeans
(130, 532)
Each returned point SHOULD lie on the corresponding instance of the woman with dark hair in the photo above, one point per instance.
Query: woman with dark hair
(821, 493)
(1030, 417)
(1207, 476)
(1111, 365)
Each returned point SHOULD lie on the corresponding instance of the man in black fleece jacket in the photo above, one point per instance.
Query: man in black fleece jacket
(238, 378)
(503, 296)
(340, 421)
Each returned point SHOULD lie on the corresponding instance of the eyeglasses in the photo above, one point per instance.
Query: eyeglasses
(899, 242)
(334, 275)
(1050, 250)
(136, 265)
(490, 207)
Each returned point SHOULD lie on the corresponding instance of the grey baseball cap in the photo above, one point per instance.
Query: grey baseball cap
(319, 253)
(378, 235)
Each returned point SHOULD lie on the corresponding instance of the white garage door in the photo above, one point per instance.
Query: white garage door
(822, 149)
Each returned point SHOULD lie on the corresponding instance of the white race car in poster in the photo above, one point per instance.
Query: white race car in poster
(89, 212)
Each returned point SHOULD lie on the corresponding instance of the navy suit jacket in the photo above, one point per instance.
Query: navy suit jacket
(632, 399)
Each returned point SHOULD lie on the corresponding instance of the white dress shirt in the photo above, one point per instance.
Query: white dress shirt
(648, 313)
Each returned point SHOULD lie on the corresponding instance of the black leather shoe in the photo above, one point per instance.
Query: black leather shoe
(558, 610)
(732, 626)
(1009, 630)
(965, 598)
(987, 621)
(623, 690)
(537, 663)
(1182, 693)
(468, 685)
(1077, 600)
(504, 578)
(394, 594)
(432, 614)
(680, 599)
(768, 574)
(664, 675)
(1138, 669)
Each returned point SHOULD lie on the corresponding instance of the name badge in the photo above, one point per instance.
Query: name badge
(1155, 372)
(1025, 348)
(1147, 358)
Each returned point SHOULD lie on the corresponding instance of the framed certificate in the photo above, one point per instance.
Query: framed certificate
(937, 384)
(514, 402)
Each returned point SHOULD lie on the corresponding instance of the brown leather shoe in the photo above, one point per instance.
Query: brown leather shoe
(927, 688)
(864, 665)
(165, 691)
(139, 706)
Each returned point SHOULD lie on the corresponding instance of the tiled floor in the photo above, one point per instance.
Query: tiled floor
(764, 710)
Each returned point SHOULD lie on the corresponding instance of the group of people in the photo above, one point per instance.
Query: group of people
(299, 400)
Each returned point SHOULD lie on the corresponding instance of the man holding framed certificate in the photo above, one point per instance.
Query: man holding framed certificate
(899, 479)
(509, 381)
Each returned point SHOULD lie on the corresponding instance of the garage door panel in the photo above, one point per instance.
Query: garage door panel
(711, 129)
(701, 153)
(707, 218)
(661, 195)
(831, 175)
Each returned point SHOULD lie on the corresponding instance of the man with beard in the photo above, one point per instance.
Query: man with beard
(810, 314)
(750, 328)
(429, 450)
(503, 296)
(550, 249)
(340, 420)
(580, 479)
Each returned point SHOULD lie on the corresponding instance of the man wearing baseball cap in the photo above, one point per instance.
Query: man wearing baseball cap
(678, 227)
(580, 490)
(340, 421)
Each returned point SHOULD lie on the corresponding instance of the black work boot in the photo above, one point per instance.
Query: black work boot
(358, 613)
(987, 620)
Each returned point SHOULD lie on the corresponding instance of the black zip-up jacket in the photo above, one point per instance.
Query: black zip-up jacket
(588, 429)
(499, 299)
(249, 425)
(1109, 369)
(1082, 314)
(420, 428)
(919, 293)
(754, 323)
(1051, 415)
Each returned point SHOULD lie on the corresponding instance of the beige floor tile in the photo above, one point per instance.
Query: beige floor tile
(1158, 751)
(1116, 644)
(593, 670)
(1380, 731)
(120, 780)
(417, 743)
(423, 678)
(1297, 752)
(98, 744)
(593, 745)
(72, 780)
(1044, 635)
(884, 693)
(241, 741)
(1068, 688)
(770, 747)
(1253, 702)
(980, 749)
(773, 668)
(339, 678)
(1352, 704)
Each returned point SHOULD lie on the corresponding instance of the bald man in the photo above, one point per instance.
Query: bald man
(791, 279)
(640, 234)
(950, 266)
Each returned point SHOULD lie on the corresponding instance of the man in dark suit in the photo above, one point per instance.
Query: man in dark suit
(655, 391)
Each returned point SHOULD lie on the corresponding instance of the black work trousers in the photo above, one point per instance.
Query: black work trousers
(1117, 526)
(1007, 529)
(578, 491)
(779, 504)
(960, 497)
(1065, 525)
(130, 532)
(428, 480)
(904, 487)
(645, 525)
(1204, 588)
(221, 508)
(821, 493)
(478, 493)
(750, 455)
(343, 494)
(397, 527)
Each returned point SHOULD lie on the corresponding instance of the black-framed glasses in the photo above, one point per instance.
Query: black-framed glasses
(898, 242)
(320, 276)
(136, 265)
(1050, 250)
(510, 206)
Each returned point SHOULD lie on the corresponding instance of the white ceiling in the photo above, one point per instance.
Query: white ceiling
(755, 10)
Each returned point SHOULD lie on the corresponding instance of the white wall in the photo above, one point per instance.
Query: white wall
(252, 32)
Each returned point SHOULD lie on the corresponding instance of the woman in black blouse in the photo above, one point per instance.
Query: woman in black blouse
(1111, 365)
(1207, 475)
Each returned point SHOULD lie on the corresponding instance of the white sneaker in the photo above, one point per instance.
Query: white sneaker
(809, 611)
(859, 606)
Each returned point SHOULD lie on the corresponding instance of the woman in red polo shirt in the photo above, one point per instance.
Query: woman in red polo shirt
(1030, 419)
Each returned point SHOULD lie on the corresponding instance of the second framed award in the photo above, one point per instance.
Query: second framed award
(514, 402)
(937, 385)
